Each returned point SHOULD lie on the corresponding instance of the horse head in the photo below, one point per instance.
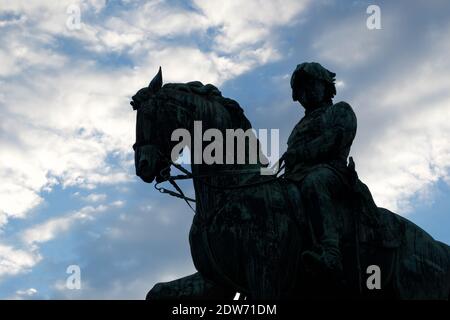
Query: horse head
(156, 120)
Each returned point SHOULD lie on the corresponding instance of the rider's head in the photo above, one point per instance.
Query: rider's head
(312, 85)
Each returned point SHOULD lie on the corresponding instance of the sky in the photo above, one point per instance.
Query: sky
(68, 191)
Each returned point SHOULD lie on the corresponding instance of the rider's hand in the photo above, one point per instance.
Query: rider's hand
(289, 158)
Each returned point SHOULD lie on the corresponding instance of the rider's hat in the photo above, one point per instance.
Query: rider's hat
(314, 70)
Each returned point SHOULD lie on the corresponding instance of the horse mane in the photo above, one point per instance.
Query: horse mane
(191, 91)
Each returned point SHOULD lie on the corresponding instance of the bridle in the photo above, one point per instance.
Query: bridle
(165, 176)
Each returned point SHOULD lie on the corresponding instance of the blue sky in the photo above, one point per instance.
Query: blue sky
(69, 194)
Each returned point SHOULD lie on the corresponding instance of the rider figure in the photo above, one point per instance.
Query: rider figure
(316, 159)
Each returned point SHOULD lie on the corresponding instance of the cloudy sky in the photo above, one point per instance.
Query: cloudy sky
(68, 193)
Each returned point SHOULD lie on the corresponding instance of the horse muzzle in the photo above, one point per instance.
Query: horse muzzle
(146, 163)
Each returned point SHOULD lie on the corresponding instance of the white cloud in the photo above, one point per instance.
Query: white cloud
(349, 43)
(182, 64)
(28, 292)
(118, 203)
(161, 19)
(119, 288)
(15, 199)
(29, 165)
(404, 119)
(24, 52)
(13, 261)
(51, 228)
(409, 155)
(340, 84)
(95, 197)
(244, 23)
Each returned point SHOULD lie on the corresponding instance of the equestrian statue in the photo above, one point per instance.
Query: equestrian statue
(309, 231)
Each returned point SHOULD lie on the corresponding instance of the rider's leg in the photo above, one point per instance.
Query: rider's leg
(320, 193)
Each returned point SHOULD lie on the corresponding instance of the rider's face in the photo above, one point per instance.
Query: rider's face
(309, 92)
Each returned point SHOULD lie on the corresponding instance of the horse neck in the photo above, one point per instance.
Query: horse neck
(208, 191)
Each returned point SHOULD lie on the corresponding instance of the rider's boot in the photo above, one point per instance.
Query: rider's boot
(328, 261)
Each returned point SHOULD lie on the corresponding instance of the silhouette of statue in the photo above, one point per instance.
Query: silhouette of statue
(312, 233)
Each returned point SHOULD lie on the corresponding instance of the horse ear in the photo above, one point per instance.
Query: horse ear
(156, 82)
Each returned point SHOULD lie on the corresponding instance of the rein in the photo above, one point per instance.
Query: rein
(165, 175)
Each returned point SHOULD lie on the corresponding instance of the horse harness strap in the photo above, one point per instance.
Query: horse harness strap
(188, 175)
